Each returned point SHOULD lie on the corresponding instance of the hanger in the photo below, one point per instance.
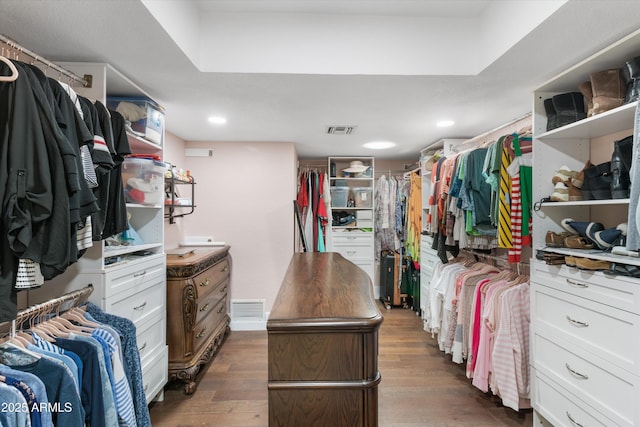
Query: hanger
(12, 67)
(76, 314)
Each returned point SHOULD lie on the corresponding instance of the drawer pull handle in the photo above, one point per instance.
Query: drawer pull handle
(221, 309)
(577, 284)
(351, 252)
(146, 386)
(205, 308)
(143, 347)
(225, 269)
(142, 273)
(577, 322)
(576, 373)
(141, 306)
(201, 333)
(205, 283)
(574, 422)
(224, 289)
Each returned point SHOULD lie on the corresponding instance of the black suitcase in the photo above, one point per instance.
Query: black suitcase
(389, 275)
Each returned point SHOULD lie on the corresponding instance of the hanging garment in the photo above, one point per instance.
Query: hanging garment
(520, 168)
(505, 239)
(127, 331)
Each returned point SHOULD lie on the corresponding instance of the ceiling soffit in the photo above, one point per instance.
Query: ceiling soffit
(322, 38)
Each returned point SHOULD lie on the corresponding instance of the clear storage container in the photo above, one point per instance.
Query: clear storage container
(339, 197)
(143, 181)
(363, 197)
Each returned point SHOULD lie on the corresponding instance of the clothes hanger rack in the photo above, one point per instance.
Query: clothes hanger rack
(518, 125)
(53, 306)
(497, 261)
(10, 46)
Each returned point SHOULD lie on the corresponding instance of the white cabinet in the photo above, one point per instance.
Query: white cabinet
(585, 352)
(129, 281)
(351, 181)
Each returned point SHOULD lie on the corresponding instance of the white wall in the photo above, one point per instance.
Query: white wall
(244, 196)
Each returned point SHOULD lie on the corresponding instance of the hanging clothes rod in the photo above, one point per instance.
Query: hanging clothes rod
(85, 81)
(55, 305)
(506, 128)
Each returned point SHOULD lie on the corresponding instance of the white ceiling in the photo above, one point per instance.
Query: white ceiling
(283, 70)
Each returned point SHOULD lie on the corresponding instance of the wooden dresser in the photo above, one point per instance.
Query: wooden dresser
(323, 345)
(198, 319)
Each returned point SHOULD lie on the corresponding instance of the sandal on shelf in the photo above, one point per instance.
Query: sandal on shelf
(592, 264)
(578, 242)
(623, 270)
(553, 259)
(570, 261)
(557, 240)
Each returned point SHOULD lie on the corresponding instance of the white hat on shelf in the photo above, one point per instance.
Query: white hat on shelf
(356, 166)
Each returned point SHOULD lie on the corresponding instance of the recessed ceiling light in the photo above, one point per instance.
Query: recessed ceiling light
(445, 123)
(217, 120)
(379, 145)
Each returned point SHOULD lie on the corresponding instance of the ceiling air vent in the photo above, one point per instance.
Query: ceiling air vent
(340, 130)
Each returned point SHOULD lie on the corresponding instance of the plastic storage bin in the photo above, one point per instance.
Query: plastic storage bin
(339, 197)
(363, 197)
(143, 181)
(146, 117)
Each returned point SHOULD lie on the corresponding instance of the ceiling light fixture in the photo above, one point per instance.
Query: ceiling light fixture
(217, 120)
(445, 123)
(379, 145)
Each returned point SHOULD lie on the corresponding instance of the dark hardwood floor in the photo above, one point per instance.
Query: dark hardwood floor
(420, 385)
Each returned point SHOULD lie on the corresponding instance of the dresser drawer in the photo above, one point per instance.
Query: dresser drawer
(147, 304)
(150, 338)
(126, 277)
(208, 325)
(211, 278)
(211, 300)
(605, 387)
(154, 373)
(561, 408)
(620, 292)
(606, 332)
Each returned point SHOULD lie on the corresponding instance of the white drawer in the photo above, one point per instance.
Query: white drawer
(426, 240)
(155, 373)
(354, 251)
(352, 238)
(561, 408)
(608, 333)
(605, 387)
(123, 278)
(428, 262)
(619, 292)
(150, 339)
(147, 304)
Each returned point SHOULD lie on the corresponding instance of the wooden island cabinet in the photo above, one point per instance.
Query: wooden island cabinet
(198, 319)
(323, 345)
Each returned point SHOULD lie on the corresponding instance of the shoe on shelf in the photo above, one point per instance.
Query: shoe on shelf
(570, 261)
(592, 264)
(583, 228)
(563, 174)
(575, 192)
(578, 242)
(608, 238)
(609, 90)
(560, 193)
(557, 240)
